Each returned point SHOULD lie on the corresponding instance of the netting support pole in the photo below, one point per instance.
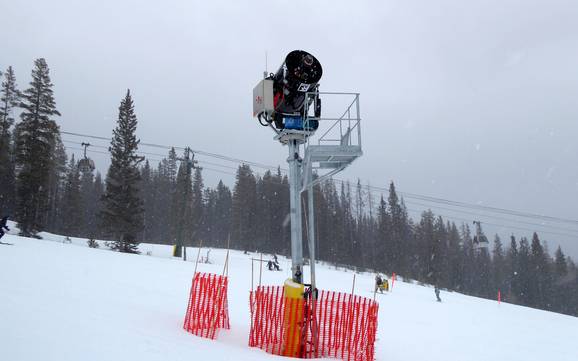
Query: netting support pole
(311, 237)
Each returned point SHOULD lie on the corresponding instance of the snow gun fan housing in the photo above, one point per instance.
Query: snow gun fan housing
(280, 98)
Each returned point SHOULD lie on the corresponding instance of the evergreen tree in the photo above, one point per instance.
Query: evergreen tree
(88, 201)
(467, 260)
(346, 244)
(97, 206)
(562, 287)
(36, 140)
(541, 285)
(454, 258)
(223, 206)
(513, 271)
(197, 205)
(56, 179)
(397, 233)
(208, 233)
(524, 274)
(148, 197)
(71, 201)
(168, 179)
(122, 213)
(560, 264)
(183, 205)
(425, 234)
(439, 260)
(498, 265)
(244, 207)
(9, 99)
(483, 285)
(162, 224)
(383, 232)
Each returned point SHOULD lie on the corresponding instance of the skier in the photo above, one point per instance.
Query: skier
(437, 292)
(270, 265)
(378, 283)
(3, 226)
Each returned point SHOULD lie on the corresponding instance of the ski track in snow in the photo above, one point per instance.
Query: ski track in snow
(69, 302)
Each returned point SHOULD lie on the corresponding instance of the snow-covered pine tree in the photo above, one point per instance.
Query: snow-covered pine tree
(9, 98)
(122, 211)
(36, 138)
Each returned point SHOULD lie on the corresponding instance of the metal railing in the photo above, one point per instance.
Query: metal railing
(346, 128)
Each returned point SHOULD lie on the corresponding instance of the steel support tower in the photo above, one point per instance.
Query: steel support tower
(323, 156)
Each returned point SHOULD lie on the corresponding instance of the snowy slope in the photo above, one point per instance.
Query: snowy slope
(69, 302)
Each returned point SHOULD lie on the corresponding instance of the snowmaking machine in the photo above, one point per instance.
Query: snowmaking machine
(282, 98)
(289, 102)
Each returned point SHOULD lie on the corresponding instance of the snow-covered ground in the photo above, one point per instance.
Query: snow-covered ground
(61, 301)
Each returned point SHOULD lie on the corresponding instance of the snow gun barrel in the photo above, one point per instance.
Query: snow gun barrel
(299, 74)
(284, 93)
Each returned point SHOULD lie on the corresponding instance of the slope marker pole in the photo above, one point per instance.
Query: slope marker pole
(198, 254)
(260, 268)
(353, 285)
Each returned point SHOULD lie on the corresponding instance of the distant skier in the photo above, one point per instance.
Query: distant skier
(378, 283)
(3, 226)
(437, 291)
(271, 265)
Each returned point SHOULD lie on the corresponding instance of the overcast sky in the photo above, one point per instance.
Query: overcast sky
(475, 101)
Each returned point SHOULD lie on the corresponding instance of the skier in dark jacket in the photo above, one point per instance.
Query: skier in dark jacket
(437, 292)
(3, 225)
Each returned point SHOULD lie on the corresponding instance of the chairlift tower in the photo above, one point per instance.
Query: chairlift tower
(289, 102)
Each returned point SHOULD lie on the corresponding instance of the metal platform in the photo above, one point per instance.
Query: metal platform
(332, 156)
(340, 143)
(286, 135)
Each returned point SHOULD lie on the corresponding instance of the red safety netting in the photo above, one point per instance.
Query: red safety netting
(335, 325)
(207, 311)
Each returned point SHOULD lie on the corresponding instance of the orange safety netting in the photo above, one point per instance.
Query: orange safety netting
(207, 311)
(336, 325)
